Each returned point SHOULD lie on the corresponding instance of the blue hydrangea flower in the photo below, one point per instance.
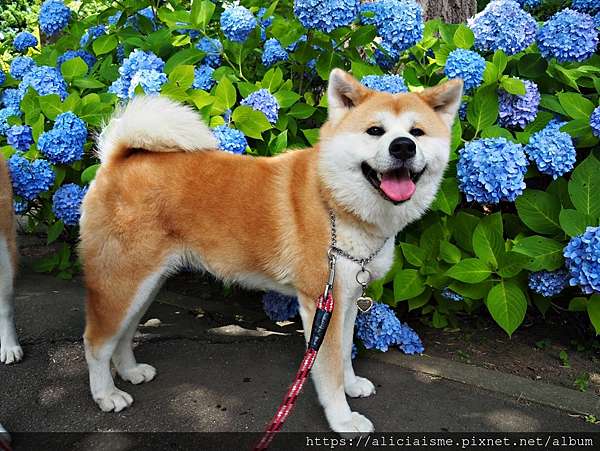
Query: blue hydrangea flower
(503, 25)
(54, 17)
(150, 81)
(491, 170)
(20, 66)
(20, 137)
(518, 110)
(91, 34)
(467, 65)
(568, 36)
(193, 34)
(203, 77)
(87, 58)
(381, 329)
(386, 56)
(44, 80)
(230, 139)
(354, 352)
(5, 113)
(582, 259)
(265, 102)
(237, 22)
(120, 53)
(66, 203)
(399, 22)
(530, 4)
(64, 143)
(548, 283)
(264, 22)
(114, 19)
(29, 178)
(587, 6)
(450, 295)
(213, 49)
(385, 83)
(409, 342)
(2, 77)
(273, 53)
(279, 307)
(294, 45)
(139, 68)
(552, 150)
(20, 207)
(326, 15)
(23, 41)
(11, 98)
(595, 121)
(462, 111)
(597, 20)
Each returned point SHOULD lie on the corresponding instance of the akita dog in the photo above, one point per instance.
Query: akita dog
(10, 350)
(163, 198)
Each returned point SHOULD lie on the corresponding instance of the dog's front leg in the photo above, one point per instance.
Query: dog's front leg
(328, 372)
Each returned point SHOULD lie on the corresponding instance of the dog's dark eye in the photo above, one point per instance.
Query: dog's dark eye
(417, 132)
(375, 131)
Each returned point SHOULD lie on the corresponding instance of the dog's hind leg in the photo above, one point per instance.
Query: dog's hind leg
(115, 305)
(10, 350)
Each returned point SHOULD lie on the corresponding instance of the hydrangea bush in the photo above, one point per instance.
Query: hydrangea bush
(515, 225)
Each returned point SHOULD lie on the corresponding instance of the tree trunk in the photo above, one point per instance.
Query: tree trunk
(451, 11)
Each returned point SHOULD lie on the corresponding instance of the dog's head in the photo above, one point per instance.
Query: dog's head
(382, 155)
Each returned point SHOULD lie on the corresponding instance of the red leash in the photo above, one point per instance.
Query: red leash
(317, 334)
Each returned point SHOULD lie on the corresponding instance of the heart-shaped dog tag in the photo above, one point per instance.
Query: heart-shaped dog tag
(364, 304)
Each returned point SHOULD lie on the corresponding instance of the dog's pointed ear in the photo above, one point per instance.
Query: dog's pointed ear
(343, 93)
(445, 99)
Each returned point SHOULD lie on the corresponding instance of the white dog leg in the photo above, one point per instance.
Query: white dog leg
(355, 386)
(10, 350)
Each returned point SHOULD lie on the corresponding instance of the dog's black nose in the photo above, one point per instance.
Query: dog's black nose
(403, 148)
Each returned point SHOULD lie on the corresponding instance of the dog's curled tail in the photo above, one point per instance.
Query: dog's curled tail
(153, 124)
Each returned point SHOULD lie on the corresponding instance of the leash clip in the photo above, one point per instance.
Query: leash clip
(331, 275)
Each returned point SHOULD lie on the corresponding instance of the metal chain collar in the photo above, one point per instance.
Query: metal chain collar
(334, 249)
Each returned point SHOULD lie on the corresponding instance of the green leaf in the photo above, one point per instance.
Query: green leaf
(472, 291)
(201, 13)
(577, 128)
(532, 65)
(87, 83)
(448, 196)
(507, 305)
(576, 105)
(272, 79)
(74, 68)
(363, 35)
(225, 91)
(511, 263)
(326, 62)
(408, 284)
(544, 253)
(286, 98)
(487, 239)
(449, 252)
(419, 301)
(361, 69)
(51, 106)
(513, 86)
(463, 226)
(500, 60)
(463, 37)
(574, 222)
(105, 44)
(312, 135)
(89, 173)
(302, 111)
(183, 57)
(252, 123)
(578, 304)
(54, 231)
(413, 254)
(182, 76)
(593, 309)
(483, 109)
(470, 270)
(539, 211)
(584, 187)
(280, 143)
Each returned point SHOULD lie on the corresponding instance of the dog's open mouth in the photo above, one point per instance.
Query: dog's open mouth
(396, 185)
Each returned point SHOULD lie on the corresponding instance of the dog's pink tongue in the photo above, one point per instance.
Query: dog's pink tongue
(397, 185)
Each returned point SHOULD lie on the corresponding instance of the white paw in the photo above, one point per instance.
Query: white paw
(357, 424)
(116, 400)
(360, 388)
(138, 374)
(11, 354)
